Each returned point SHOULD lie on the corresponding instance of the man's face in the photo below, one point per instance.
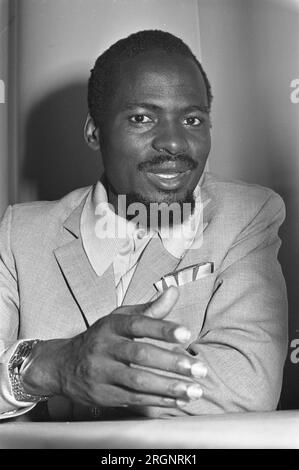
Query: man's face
(155, 138)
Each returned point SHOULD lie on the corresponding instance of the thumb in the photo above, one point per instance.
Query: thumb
(160, 307)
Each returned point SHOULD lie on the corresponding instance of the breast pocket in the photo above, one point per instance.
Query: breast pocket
(190, 309)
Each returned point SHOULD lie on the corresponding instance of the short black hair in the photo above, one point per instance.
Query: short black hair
(107, 66)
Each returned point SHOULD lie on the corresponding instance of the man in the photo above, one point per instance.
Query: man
(165, 319)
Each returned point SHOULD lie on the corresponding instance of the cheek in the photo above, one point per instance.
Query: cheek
(207, 143)
(123, 146)
(118, 167)
(201, 146)
(120, 164)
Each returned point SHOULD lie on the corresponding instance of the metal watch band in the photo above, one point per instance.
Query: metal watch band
(18, 358)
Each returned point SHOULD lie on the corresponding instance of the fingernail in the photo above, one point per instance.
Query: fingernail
(181, 403)
(180, 388)
(194, 391)
(169, 401)
(182, 334)
(198, 370)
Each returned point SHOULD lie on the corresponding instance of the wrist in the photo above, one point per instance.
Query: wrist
(41, 373)
(16, 365)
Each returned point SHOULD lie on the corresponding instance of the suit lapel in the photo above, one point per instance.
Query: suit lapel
(196, 255)
(154, 263)
(95, 296)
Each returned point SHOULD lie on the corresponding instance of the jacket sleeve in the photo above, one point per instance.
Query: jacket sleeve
(243, 341)
(244, 338)
(9, 321)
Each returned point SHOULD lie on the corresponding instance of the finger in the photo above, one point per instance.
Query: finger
(154, 384)
(112, 395)
(155, 357)
(181, 350)
(160, 307)
(139, 326)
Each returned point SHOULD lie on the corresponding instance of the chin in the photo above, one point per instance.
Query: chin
(163, 197)
(160, 196)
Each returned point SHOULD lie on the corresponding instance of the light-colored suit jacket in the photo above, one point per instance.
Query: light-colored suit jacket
(237, 315)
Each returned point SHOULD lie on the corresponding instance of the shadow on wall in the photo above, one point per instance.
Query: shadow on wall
(290, 264)
(57, 160)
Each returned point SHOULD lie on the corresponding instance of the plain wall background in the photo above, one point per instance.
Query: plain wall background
(57, 44)
(4, 31)
(250, 49)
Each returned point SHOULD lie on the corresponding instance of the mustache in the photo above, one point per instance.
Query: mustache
(160, 159)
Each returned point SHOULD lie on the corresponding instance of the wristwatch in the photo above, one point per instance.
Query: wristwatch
(19, 357)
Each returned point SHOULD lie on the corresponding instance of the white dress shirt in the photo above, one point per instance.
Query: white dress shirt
(109, 238)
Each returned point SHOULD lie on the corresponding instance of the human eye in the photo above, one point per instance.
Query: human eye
(140, 119)
(193, 121)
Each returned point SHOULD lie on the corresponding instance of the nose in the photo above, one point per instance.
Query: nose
(170, 139)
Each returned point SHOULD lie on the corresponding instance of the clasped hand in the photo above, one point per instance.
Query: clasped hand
(99, 366)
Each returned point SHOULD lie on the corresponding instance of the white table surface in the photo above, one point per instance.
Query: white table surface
(279, 429)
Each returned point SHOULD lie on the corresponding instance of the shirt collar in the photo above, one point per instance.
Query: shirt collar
(104, 233)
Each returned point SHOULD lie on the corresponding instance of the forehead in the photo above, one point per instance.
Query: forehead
(155, 76)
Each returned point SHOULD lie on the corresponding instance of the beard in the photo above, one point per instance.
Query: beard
(165, 214)
(165, 209)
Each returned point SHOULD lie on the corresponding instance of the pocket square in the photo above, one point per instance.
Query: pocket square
(184, 276)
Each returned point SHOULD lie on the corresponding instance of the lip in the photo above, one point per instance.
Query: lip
(170, 167)
(168, 180)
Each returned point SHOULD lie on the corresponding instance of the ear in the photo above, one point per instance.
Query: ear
(91, 134)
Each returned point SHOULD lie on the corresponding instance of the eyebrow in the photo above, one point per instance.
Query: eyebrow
(133, 105)
(203, 108)
(154, 107)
